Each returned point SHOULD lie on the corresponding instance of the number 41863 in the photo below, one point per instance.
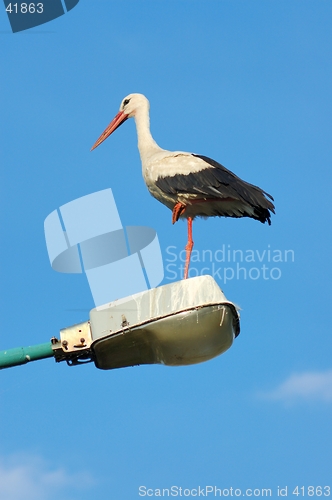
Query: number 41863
(312, 491)
(25, 8)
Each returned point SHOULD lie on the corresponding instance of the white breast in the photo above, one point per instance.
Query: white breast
(167, 164)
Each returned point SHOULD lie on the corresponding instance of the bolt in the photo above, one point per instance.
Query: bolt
(124, 321)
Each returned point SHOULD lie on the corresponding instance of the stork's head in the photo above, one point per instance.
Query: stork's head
(130, 105)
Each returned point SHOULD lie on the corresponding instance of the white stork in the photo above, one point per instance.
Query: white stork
(190, 185)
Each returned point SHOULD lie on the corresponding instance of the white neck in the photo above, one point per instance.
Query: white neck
(146, 144)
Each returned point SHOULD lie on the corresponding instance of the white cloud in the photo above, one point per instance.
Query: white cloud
(31, 478)
(306, 386)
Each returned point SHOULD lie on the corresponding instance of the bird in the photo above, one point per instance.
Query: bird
(190, 185)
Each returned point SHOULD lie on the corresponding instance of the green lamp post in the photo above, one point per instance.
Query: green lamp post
(22, 355)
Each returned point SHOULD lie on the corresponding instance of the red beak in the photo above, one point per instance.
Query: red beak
(119, 119)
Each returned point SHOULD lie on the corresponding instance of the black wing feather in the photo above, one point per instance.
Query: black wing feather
(218, 182)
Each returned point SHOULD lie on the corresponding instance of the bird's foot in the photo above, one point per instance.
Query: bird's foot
(178, 210)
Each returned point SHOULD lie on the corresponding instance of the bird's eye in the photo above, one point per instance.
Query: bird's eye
(126, 101)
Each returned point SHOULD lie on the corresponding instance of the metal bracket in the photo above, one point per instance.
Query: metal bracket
(74, 344)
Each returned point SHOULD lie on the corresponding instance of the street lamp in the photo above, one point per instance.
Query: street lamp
(182, 323)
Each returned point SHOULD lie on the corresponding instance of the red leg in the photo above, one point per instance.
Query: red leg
(189, 247)
(178, 210)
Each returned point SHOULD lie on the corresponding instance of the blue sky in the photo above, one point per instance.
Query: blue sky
(248, 84)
